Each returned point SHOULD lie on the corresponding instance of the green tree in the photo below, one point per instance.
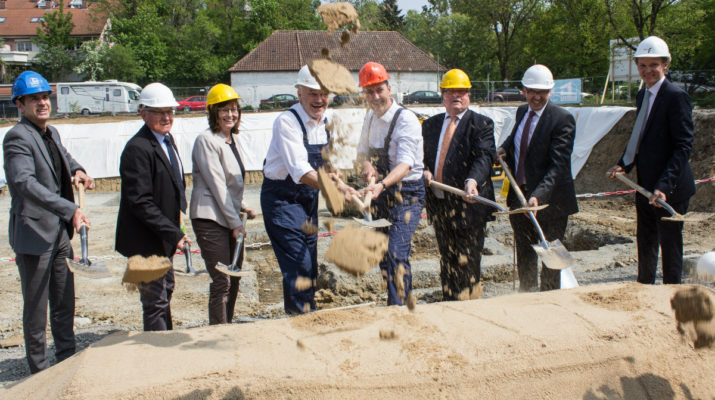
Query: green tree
(391, 15)
(92, 54)
(120, 63)
(56, 57)
(640, 18)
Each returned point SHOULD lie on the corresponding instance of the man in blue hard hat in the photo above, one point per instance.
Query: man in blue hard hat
(39, 173)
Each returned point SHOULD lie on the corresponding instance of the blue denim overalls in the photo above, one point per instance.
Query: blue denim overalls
(403, 228)
(286, 206)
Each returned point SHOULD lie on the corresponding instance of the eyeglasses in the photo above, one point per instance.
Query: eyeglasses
(456, 92)
(162, 113)
(228, 110)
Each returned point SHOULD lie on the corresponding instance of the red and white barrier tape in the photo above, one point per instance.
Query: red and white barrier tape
(620, 192)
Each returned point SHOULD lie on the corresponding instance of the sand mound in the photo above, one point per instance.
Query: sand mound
(577, 343)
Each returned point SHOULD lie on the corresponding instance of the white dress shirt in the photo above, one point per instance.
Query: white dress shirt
(653, 92)
(160, 139)
(520, 130)
(286, 153)
(406, 143)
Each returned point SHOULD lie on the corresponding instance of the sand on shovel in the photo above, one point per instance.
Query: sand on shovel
(145, 269)
(329, 189)
(332, 76)
(355, 250)
(694, 312)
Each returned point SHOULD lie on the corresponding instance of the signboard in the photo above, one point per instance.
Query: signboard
(622, 67)
(566, 91)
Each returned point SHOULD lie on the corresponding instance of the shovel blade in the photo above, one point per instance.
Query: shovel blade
(228, 270)
(554, 255)
(380, 223)
(568, 279)
(689, 217)
(89, 269)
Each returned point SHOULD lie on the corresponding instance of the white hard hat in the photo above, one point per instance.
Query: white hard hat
(305, 78)
(652, 46)
(538, 77)
(157, 95)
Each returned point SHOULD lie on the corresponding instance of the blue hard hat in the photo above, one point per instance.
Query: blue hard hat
(29, 82)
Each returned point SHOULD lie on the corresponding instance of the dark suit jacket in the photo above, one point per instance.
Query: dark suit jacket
(665, 147)
(471, 155)
(548, 162)
(149, 207)
(42, 200)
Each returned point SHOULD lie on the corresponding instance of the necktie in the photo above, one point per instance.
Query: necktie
(637, 132)
(524, 145)
(446, 141)
(177, 172)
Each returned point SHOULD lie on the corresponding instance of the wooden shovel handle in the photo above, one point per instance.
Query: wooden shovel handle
(368, 196)
(80, 194)
(447, 188)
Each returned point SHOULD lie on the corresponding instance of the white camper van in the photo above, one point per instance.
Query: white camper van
(97, 97)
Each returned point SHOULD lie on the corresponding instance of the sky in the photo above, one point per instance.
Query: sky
(405, 5)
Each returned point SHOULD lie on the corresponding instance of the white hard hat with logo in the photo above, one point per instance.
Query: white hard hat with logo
(305, 78)
(538, 77)
(652, 46)
(157, 95)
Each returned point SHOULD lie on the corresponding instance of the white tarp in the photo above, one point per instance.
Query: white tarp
(97, 147)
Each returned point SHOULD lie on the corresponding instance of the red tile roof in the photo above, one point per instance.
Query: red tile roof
(289, 50)
(18, 14)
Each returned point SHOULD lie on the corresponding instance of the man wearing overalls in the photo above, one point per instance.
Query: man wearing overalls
(289, 195)
(391, 151)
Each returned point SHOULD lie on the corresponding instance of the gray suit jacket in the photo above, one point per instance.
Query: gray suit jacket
(218, 184)
(38, 210)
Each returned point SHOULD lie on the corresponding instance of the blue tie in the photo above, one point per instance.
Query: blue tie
(177, 172)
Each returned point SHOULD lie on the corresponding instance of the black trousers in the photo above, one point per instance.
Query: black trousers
(47, 277)
(525, 236)
(460, 252)
(156, 302)
(651, 233)
(217, 245)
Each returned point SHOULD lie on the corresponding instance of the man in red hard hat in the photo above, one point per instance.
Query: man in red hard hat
(39, 173)
(390, 150)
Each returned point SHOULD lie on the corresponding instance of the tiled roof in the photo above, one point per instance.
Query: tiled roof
(19, 13)
(289, 50)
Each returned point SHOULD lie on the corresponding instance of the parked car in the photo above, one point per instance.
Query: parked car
(193, 103)
(422, 97)
(506, 94)
(350, 99)
(279, 101)
(8, 109)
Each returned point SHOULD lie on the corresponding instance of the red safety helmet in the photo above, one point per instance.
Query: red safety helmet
(372, 73)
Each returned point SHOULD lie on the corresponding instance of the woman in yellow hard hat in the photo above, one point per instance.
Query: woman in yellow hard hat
(217, 198)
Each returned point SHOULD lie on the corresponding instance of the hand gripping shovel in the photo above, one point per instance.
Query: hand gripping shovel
(84, 266)
(234, 269)
(553, 254)
(365, 208)
(483, 200)
(187, 248)
(674, 216)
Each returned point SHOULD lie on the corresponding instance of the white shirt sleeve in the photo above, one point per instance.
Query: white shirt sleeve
(363, 147)
(407, 136)
(289, 143)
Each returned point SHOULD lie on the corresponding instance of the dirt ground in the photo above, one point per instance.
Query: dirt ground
(601, 238)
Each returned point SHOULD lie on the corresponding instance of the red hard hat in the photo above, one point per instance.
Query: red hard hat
(372, 73)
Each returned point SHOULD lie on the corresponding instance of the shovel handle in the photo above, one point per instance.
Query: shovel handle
(239, 242)
(459, 192)
(640, 189)
(368, 196)
(80, 194)
(357, 202)
(513, 185)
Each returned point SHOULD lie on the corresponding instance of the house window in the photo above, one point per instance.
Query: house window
(2, 19)
(24, 46)
(37, 19)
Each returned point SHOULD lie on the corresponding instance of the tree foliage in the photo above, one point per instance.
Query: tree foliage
(56, 57)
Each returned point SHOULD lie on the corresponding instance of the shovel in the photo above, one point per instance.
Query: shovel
(553, 254)
(365, 208)
(84, 266)
(187, 248)
(484, 200)
(674, 216)
(234, 269)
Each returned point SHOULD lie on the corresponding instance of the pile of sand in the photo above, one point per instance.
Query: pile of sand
(604, 341)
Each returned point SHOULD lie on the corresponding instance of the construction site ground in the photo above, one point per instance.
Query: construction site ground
(601, 237)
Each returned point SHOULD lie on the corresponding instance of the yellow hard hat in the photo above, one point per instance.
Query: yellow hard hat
(220, 93)
(455, 79)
